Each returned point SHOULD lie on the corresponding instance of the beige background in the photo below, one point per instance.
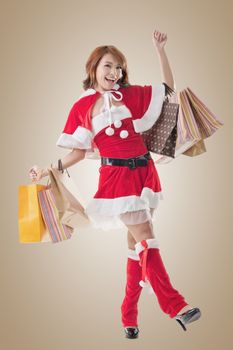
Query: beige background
(68, 296)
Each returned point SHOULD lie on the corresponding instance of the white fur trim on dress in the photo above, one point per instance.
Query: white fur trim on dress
(87, 92)
(119, 205)
(133, 255)
(109, 213)
(152, 243)
(81, 138)
(154, 110)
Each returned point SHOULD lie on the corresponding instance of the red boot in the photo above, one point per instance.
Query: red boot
(129, 309)
(153, 269)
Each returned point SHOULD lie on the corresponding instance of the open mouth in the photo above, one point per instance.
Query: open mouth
(110, 80)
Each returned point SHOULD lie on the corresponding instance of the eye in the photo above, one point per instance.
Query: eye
(119, 68)
(107, 65)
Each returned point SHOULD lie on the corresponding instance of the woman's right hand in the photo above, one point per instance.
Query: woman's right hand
(36, 173)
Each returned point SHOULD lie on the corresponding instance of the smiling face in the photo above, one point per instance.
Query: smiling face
(108, 72)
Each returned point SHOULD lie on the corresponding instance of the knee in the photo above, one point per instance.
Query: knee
(140, 232)
(146, 231)
(143, 235)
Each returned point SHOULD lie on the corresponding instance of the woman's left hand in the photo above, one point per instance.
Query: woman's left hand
(159, 39)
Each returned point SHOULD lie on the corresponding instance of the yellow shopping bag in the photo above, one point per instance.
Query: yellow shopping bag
(30, 222)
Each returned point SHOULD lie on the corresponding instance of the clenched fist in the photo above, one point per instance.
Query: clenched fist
(159, 39)
(36, 173)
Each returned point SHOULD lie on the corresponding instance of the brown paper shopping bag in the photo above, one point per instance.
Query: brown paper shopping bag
(71, 212)
(196, 149)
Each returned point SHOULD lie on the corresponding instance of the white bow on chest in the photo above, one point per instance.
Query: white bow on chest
(108, 97)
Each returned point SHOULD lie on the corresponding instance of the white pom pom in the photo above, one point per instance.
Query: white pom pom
(117, 123)
(142, 284)
(109, 131)
(124, 134)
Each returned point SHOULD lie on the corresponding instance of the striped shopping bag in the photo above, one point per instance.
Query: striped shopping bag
(188, 128)
(207, 122)
(57, 230)
(195, 123)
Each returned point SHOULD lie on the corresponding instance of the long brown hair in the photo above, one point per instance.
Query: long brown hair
(93, 62)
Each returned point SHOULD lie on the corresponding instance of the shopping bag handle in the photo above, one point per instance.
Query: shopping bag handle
(168, 90)
(60, 167)
(170, 94)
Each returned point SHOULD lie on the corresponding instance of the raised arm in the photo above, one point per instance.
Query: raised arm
(159, 40)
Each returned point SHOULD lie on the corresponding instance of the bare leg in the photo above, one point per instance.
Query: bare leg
(131, 241)
(140, 231)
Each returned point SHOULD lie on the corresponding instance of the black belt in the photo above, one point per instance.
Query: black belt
(132, 163)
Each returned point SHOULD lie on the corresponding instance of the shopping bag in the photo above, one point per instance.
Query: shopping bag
(207, 122)
(196, 149)
(161, 137)
(57, 230)
(31, 225)
(189, 136)
(188, 128)
(66, 194)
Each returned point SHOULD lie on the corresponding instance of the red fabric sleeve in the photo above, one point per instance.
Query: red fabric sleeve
(137, 98)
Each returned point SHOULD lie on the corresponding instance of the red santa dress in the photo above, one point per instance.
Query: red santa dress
(124, 195)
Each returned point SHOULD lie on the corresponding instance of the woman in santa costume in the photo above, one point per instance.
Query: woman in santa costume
(106, 122)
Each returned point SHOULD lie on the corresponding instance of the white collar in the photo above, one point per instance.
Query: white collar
(93, 91)
(108, 97)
